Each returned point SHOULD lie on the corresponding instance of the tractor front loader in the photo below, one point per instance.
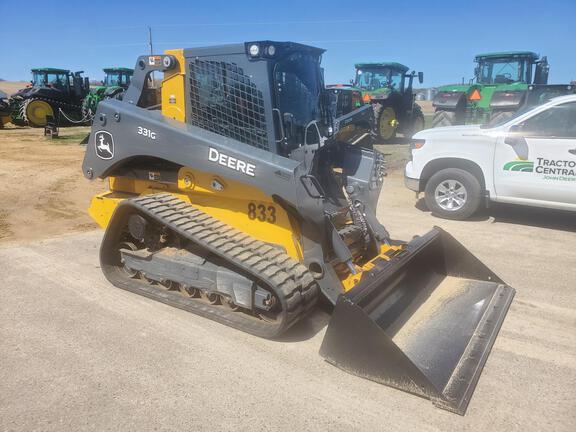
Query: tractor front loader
(242, 199)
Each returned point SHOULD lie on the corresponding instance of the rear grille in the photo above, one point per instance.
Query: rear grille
(225, 101)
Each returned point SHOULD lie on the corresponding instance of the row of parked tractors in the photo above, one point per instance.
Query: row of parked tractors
(62, 95)
(503, 83)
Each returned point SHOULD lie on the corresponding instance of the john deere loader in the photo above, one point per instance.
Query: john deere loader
(242, 199)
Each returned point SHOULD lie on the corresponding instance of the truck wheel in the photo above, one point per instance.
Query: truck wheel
(453, 193)
(444, 118)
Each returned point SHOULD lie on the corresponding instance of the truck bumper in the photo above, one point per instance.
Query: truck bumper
(410, 181)
(412, 184)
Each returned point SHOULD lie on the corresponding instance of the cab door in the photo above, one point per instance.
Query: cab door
(536, 159)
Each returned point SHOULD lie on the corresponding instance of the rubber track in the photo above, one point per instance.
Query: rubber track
(287, 278)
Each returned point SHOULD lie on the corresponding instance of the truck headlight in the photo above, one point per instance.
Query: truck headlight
(417, 144)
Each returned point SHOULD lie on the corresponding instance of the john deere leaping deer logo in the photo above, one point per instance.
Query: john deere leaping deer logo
(104, 143)
(519, 165)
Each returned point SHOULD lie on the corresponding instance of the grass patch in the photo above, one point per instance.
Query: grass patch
(71, 139)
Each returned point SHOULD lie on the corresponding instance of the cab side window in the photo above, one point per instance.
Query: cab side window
(556, 122)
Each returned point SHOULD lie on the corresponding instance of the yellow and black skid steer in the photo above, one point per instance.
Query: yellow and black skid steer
(241, 197)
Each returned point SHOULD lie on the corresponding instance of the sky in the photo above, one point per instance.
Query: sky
(438, 37)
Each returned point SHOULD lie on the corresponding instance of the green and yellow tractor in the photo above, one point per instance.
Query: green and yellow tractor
(503, 82)
(56, 93)
(116, 81)
(388, 87)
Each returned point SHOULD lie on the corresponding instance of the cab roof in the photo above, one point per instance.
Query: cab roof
(530, 54)
(51, 70)
(118, 69)
(390, 65)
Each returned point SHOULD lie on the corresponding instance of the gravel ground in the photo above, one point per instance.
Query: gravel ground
(79, 354)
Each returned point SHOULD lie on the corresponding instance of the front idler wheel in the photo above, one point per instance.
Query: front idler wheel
(127, 270)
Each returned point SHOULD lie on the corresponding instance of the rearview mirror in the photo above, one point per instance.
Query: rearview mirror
(420, 77)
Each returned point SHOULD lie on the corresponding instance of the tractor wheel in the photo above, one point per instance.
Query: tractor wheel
(87, 109)
(386, 122)
(444, 118)
(35, 112)
(416, 126)
(500, 117)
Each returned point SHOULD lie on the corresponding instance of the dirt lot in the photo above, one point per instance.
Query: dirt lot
(11, 87)
(44, 192)
(79, 354)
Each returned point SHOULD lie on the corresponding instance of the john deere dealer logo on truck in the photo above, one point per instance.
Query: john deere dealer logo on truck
(552, 169)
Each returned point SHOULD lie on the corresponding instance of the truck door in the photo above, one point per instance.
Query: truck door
(536, 159)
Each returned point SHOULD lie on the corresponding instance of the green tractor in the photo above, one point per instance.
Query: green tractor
(388, 87)
(503, 82)
(115, 83)
(56, 93)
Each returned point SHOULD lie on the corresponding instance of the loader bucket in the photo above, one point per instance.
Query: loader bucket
(423, 322)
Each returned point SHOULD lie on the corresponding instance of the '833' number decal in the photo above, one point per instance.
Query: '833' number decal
(262, 212)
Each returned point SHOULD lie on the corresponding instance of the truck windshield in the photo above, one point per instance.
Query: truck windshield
(503, 71)
(373, 79)
(298, 83)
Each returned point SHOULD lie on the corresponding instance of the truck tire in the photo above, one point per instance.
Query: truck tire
(443, 118)
(453, 193)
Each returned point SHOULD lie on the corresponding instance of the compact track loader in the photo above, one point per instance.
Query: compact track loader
(243, 199)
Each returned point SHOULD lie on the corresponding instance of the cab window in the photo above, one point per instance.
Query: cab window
(56, 79)
(558, 121)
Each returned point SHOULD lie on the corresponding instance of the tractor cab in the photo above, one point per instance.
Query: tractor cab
(383, 77)
(48, 77)
(511, 67)
(117, 77)
(64, 82)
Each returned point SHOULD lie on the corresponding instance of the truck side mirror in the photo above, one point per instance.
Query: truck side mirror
(420, 77)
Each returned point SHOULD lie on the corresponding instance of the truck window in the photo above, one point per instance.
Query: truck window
(558, 121)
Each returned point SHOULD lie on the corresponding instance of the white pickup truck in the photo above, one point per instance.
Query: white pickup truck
(529, 159)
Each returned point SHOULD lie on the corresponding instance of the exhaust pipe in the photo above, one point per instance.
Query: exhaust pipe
(423, 322)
